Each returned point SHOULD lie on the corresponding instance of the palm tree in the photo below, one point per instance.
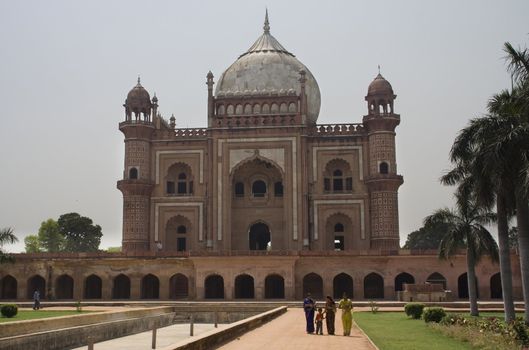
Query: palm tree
(495, 151)
(465, 229)
(510, 144)
(518, 105)
(475, 159)
(6, 237)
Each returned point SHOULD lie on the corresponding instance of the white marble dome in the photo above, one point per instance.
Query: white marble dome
(268, 67)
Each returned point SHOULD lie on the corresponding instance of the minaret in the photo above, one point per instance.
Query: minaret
(137, 185)
(382, 181)
(211, 99)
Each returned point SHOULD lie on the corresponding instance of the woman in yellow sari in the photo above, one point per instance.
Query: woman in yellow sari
(347, 314)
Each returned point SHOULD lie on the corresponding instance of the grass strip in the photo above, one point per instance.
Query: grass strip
(36, 314)
(395, 331)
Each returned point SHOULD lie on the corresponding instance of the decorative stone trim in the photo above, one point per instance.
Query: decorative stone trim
(316, 149)
(340, 201)
(200, 206)
(293, 141)
(198, 151)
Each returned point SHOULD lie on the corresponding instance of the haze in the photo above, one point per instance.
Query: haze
(66, 68)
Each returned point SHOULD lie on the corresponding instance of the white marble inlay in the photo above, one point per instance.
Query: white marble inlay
(277, 155)
(336, 148)
(191, 151)
(200, 206)
(340, 201)
(293, 141)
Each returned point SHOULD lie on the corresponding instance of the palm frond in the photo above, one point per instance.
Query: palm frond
(454, 176)
(483, 243)
(441, 216)
(7, 236)
(517, 61)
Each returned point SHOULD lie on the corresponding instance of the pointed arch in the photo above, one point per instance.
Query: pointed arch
(373, 286)
(496, 291)
(8, 287)
(342, 283)
(337, 176)
(313, 284)
(121, 287)
(401, 279)
(178, 231)
(383, 167)
(462, 286)
(133, 173)
(150, 287)
(338, 232)
(36, 283)
(93, 286)
(274, 287)
(259, 235)
(437, 278)
(244, 287)
(178, 286)
(179, 179)
(260, 160)
(64, 287)
(214, 287)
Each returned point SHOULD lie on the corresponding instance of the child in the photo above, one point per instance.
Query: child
(319, 321)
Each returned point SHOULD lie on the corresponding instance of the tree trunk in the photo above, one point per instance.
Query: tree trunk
(505, 258)
(471, 280)
(522, 218)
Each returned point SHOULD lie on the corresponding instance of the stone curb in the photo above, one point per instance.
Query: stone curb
(365, 335)
(214, 338)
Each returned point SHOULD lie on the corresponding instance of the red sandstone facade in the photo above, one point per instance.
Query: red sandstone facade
(263, 203)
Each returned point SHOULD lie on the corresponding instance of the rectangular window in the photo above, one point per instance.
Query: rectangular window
(182, 188)
(337, 185)
(349, 184)
(278, 189)
(327, 185)
(339, 243)
(239, 190)
(181, 244)
(170, 187)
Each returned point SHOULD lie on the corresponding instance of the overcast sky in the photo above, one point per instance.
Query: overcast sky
(66, 68)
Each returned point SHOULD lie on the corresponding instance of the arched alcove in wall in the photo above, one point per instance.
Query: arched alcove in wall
(342, 283)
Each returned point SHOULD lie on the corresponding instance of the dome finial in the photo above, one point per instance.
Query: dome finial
(139, 79)
(266, 26)
(379, 69)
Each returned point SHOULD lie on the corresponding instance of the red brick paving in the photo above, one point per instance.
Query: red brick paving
(288, 332)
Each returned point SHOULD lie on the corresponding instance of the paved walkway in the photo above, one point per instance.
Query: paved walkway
(288, 332)
(164, 336)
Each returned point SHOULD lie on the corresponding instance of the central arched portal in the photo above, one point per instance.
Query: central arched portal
(259, 236)
(258, 194)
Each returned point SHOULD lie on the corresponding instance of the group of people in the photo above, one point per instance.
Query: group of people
(328, 314)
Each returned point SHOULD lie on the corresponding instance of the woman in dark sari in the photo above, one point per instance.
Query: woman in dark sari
(330, 312)
(308, 307)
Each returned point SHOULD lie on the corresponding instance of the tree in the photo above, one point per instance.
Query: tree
(465, 228)
(114, 250)
(477, 163)
(50, 238)
(516, 140)
(6, 237)
(80, 234)
(32, 244)
(513, 237)
(427, 237)
(495, 151)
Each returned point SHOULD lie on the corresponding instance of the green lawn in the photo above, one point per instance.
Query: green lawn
(31, 315)
(395, 331)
